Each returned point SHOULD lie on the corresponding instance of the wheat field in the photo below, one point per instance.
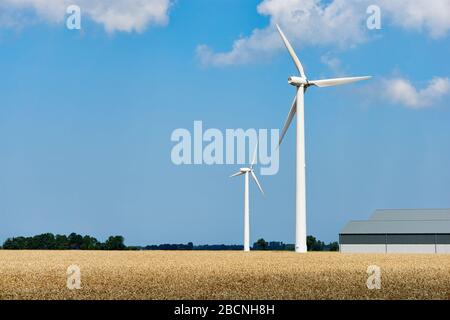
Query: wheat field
(220, 275)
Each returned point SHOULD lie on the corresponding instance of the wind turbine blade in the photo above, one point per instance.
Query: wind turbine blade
(237, 174)
(254, 156)
(288, 120)
(336, 82)
(257, 182)
(292, 52)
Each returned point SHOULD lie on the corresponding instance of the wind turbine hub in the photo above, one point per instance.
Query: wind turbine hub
(297, 81)
(245, 169)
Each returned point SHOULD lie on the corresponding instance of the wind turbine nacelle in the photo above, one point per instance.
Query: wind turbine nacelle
(297, 81)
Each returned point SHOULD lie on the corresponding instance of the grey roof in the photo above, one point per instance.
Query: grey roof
(411, 214)
(396, 226)
(417, 221)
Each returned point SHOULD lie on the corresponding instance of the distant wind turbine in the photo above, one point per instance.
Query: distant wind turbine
(247, 172)
(302, 83)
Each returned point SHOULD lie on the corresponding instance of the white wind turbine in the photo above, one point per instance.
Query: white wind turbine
(302, 83)
(247, 172)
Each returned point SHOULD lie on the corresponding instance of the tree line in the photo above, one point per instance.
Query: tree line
(49, 241)
(191, 246)
(74, 241)
(311, 242)
(314, 244)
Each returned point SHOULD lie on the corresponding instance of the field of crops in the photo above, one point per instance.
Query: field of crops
(220, 275)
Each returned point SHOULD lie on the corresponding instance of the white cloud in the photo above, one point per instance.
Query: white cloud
(401, 91)
(113, 15)
(306, 22)
(433, 16)
(334, 63)
(338, 23)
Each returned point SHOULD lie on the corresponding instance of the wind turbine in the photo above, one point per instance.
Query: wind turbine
(302, 83)
(247, 172)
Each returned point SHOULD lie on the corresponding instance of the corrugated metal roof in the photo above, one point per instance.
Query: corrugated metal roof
(397, 226)
(411, 214)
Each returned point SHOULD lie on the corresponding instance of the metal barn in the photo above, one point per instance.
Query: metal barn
(398, 231)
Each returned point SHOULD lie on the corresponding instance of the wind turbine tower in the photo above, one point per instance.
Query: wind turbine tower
(247, 172)
(301, 83)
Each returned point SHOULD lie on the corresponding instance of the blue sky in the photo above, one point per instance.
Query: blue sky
(86, 115)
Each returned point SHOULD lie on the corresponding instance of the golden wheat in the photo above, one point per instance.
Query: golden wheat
(220, 275)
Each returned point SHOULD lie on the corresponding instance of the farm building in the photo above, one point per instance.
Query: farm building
(399, 231)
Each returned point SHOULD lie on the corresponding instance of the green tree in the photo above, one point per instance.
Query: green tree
(75, 241)
(115, 243)
(45, 241)
(89, 243)
(313, 244)
(261, 244)
(333, 246)
(9, 244)
(61, 242)
(18, 243)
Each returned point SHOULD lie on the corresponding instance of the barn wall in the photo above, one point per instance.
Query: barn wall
(394, 243)
(411, 248)
(362, 248)
(443, 248)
